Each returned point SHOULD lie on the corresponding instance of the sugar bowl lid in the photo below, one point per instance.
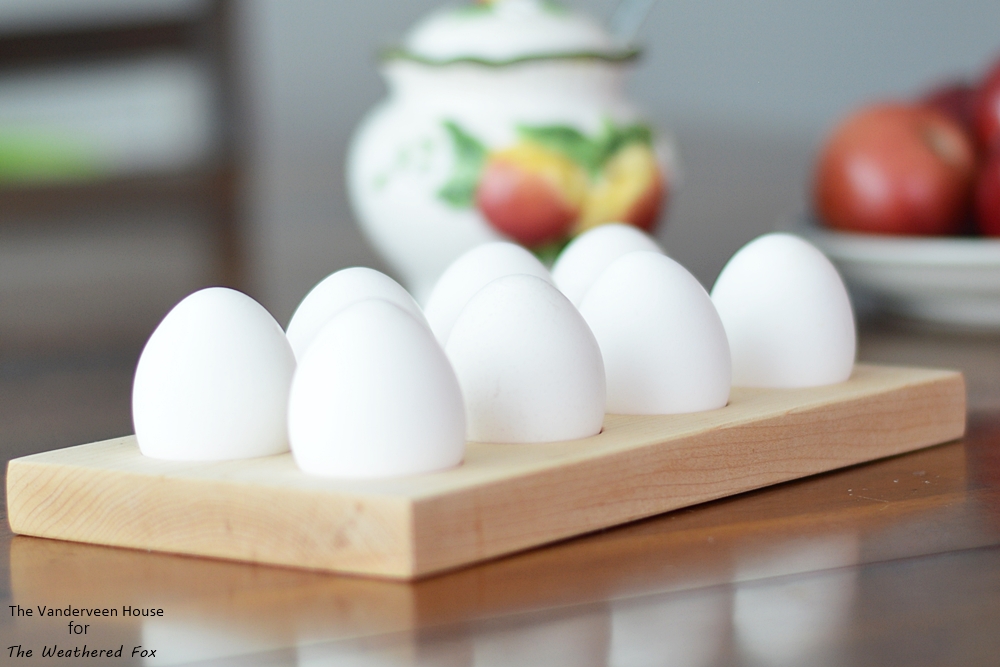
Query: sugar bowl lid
(503, 32)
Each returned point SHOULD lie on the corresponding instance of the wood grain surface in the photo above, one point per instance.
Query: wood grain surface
(503, 499)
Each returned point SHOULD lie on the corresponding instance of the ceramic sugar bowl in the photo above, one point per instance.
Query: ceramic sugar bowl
(504, 120)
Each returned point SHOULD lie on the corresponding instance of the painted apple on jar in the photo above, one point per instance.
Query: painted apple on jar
(555, 182)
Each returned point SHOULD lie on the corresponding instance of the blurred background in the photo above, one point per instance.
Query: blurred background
(152, 147)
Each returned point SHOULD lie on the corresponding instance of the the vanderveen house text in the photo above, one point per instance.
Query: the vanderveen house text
(85, 612)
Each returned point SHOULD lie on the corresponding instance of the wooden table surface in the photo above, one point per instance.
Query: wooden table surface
(891, 563)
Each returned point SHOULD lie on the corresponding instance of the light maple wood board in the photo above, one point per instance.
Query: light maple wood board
(502, 499)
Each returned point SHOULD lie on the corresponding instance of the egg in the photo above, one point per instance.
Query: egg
(663, 344)
(336, 292)
(470, 273)
(586, 256)
(374, 396)
(529, 367)
(787, 315)
(212, 382)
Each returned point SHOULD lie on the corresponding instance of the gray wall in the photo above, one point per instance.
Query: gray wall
(747, 88)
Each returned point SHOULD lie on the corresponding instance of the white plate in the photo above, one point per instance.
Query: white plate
(954, 281)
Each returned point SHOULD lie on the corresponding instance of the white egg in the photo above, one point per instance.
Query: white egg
(338, 291)
(470, 273)
(586, 256)
(529, 368)
(212, 382)
(663, 344)
(787, 315)
(374, 396)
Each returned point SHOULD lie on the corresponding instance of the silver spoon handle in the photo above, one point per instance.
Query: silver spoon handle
(627, 18)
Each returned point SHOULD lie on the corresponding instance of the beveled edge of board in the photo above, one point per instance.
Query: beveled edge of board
(504, 498)
(490, 462)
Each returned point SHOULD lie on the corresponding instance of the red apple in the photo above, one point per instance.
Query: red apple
(956, 100)
(987, 109)
(895, 168)
(987, 200)
(531, 194)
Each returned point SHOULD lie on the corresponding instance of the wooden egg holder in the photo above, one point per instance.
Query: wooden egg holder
(503, 498)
